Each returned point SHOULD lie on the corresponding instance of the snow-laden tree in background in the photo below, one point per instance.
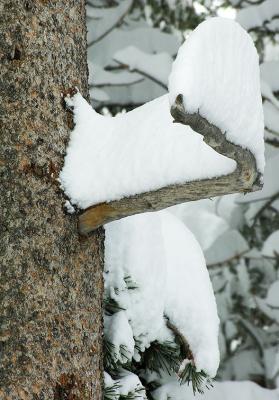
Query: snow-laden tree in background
(141, 40)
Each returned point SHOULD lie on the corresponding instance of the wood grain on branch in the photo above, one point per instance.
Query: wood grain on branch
(245, 178)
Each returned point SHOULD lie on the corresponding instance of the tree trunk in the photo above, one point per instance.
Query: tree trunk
(51, 280)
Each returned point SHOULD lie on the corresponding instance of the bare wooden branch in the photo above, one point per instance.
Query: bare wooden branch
(245, 178)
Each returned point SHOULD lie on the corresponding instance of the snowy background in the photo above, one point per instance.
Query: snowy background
(155, 272)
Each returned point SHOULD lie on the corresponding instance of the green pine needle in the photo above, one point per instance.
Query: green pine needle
(199, 380)
(125, 354)
(131, 285)
(112, 307)
(111, 392)
(109, 356)
(111, 363)
(134, 395)
(162, 357)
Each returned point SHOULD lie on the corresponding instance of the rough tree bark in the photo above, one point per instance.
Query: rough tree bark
(51, 280)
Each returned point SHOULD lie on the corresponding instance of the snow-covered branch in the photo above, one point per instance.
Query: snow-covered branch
(261, 15)
(244, 178)
(105, 19)
(154, 66)
(146, 161)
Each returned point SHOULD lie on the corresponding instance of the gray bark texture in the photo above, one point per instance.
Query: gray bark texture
(51, 279)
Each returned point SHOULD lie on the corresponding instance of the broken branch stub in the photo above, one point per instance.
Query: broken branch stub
(245, 178)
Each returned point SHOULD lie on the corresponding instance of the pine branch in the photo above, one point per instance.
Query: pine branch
(123, 353)
(198, 379)
(111, 392)
(111, 306)
(134, 395)
(112, 362)
(189, 374)
(131, 285)
(109, 356)
(186, 351)
(162, 357)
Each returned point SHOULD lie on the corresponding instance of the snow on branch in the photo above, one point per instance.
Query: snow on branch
(105, 19)
(166, 274)
(154, 66)
(269, 81)
(146, 161)
(99, 77)
(264, 14)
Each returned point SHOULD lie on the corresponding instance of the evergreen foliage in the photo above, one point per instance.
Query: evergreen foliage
(159, 358)
(198, 379)
(246, 328)
(111, 392)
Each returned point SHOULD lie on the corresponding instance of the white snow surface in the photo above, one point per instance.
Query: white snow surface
(271, 245)
(100, 77)
(157, 66)
(98, 94)
(269, 85)
(228, 245)
(198, 214)
(269, 73)
(104, 19)
(161, 257)
(128, 383)
(183, 3)
(221, 391)
(69, 208)
(188, 280)
(112, 157)
(134, 249)
(260, 14)
(114, 328)
(271, 114)
(145, 38)
(217, 72)
(267, 93)
(272, 298)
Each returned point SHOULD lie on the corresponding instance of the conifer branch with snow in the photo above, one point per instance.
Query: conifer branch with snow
(198, 141)
(135, 176)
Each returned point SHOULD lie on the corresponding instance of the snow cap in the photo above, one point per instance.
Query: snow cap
(217, 72)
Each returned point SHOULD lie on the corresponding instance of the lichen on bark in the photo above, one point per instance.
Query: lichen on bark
(51, 279)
